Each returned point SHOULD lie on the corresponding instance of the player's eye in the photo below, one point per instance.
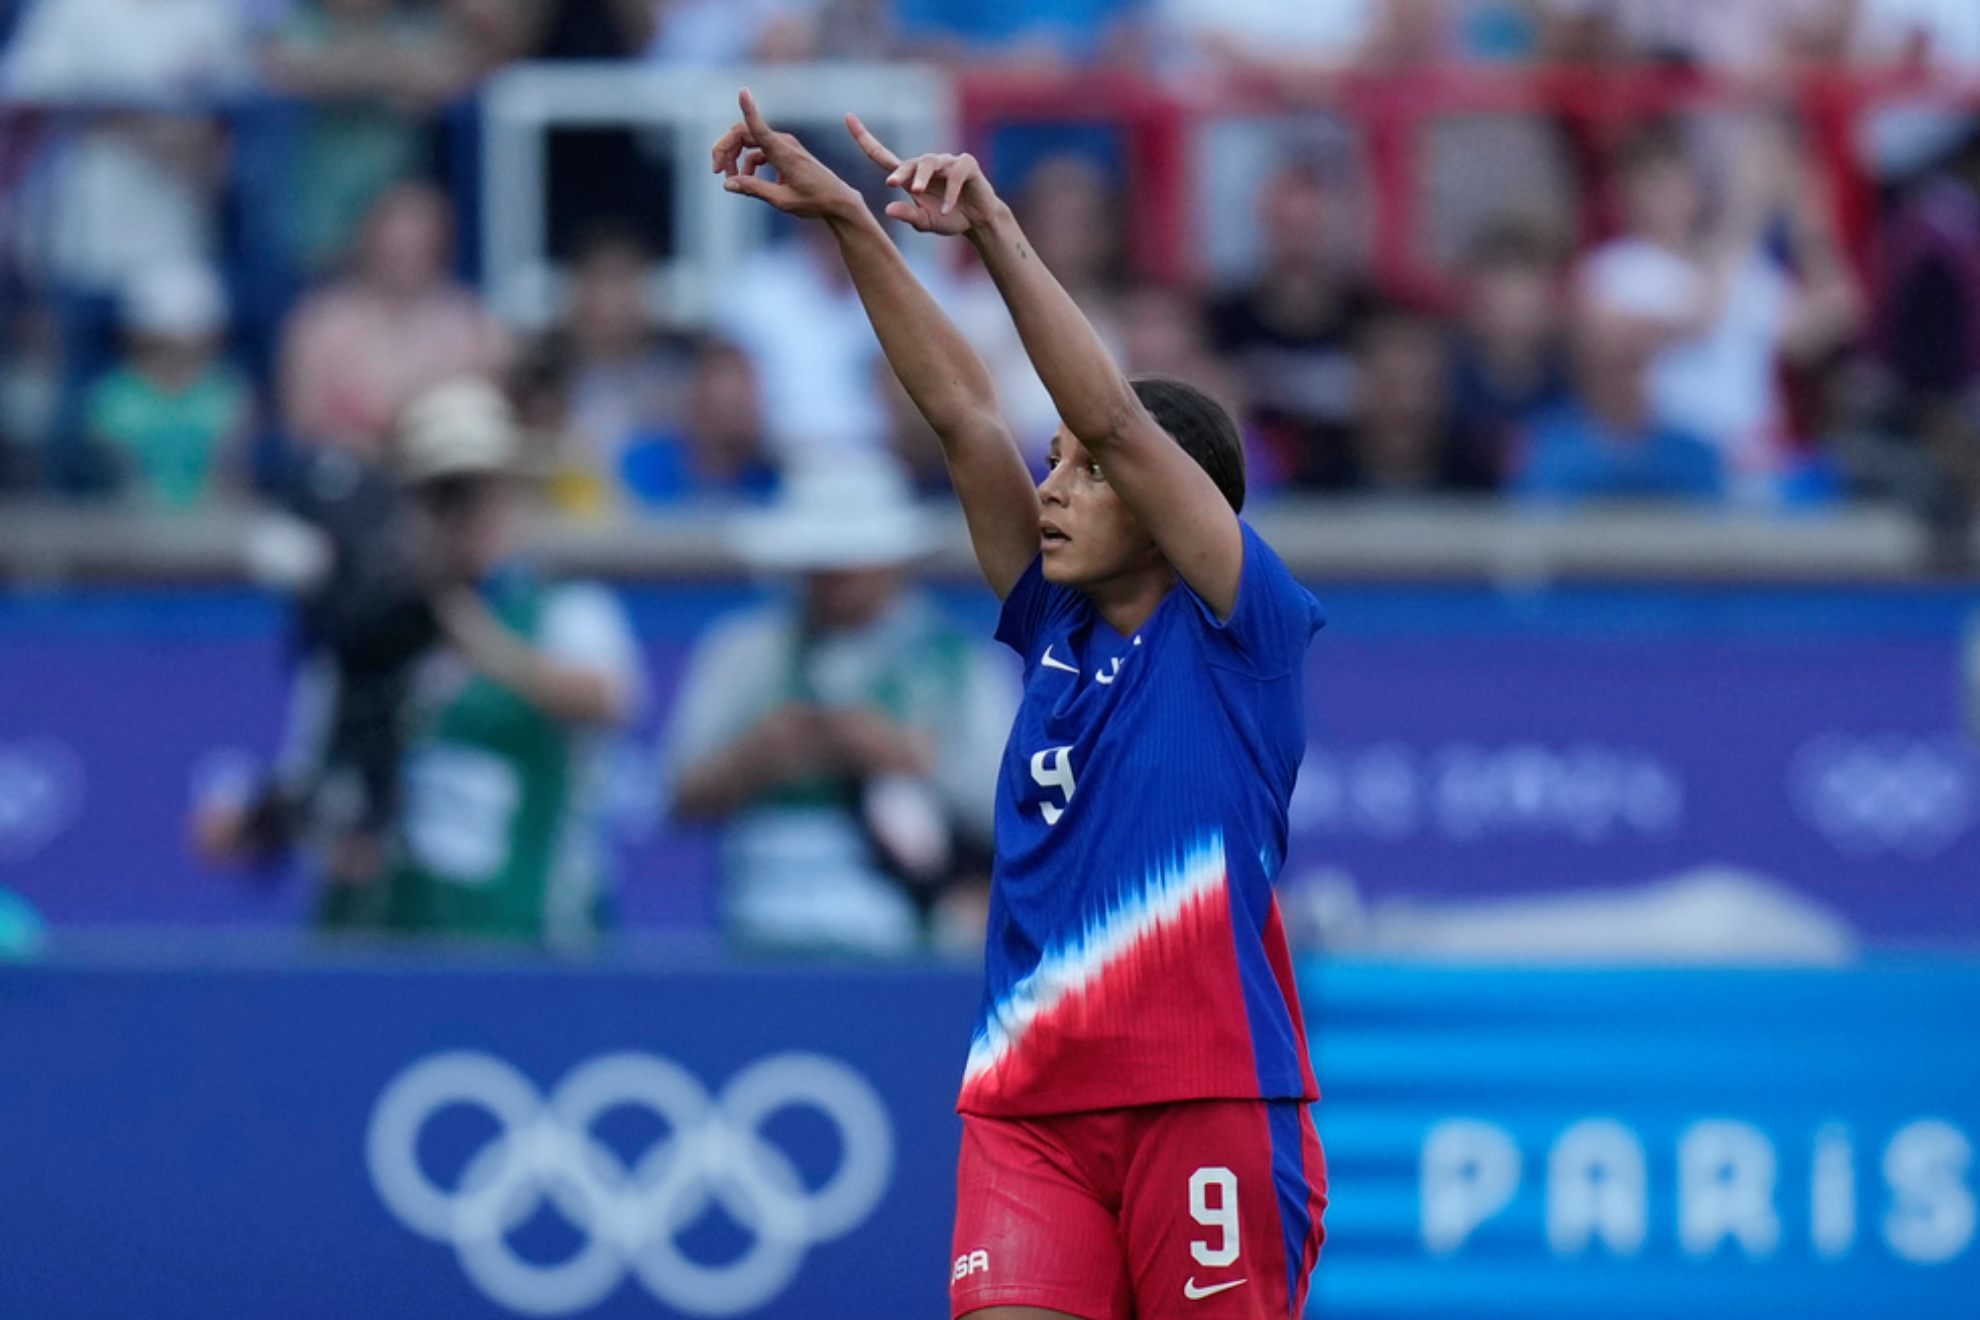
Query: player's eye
(1094, 473)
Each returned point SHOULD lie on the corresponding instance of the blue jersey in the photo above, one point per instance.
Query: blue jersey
(1135, 951)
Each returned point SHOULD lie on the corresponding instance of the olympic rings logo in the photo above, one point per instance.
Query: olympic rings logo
(1887, 793)
(630, 1218)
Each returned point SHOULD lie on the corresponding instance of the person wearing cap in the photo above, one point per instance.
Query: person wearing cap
(497, 831)
(174, 415)
(1605, 440)
(846, 735)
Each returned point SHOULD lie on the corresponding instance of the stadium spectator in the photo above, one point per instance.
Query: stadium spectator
(355, 352)
(1267, 37)
(1028, 32)
(1736, 312)
(912, 442)
(30, 390)
(1507, 358)
(624, 381)
(1165, 333)
(1749, 39)
(575, 29)
(174, 414)
(847, 738)
(373, 72)
(794, 312)
(714, 447)
(1928, 343)
(144, 76)
(1072, 210)
(1291, 331)
(1938, 38)
(1404, 439)
(495, 827)
(1607, 441)
(726, 32)
(491, 33)
(1293, 44)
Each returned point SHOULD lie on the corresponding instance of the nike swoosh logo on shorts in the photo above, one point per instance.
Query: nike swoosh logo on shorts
(1047, 661)
(1196, 1294)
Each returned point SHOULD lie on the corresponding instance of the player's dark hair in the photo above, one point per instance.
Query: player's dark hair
(1202, 427)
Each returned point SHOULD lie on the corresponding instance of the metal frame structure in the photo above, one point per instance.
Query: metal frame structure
(913, 106)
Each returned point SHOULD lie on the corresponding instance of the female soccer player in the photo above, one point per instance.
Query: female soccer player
(1136, 1141)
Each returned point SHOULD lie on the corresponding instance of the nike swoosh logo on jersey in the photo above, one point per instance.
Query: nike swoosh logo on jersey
(1196, 1294)
(1050, 663)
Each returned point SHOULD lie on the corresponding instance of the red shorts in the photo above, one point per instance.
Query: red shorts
(1201, 1210)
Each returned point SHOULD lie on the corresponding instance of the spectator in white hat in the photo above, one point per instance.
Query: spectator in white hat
(500, 819)
(447, 755)
(175, 414)
(132, 181)
(845, 736)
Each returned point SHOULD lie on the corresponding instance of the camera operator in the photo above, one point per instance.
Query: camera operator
(450, 780)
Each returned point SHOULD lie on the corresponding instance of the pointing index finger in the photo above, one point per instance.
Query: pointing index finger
(758, 126)
(876, 150)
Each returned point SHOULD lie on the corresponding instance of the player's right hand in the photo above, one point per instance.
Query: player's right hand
(803, 186)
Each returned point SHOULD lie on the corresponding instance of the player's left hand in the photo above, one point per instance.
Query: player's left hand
(948, 193)
(803, 186)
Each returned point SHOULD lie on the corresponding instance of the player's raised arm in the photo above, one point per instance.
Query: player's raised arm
(1192, 522)
(940, 371)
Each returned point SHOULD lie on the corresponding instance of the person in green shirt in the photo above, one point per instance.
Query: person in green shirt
(174, 415)
(371, 76)
(495, 829)
(499, 829)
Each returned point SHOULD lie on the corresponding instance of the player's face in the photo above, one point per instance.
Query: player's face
(1087, 534)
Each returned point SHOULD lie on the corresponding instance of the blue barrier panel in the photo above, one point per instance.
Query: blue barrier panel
(1648, 1143)
(356, 1137)
(381, 1141)
(1465, 744)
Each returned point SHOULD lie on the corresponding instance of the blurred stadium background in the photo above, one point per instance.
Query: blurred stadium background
(1611, 368)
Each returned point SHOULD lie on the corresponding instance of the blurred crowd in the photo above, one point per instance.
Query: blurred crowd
(1678, 306)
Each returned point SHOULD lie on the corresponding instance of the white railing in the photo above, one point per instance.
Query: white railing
(911, 106)
(1453, 540)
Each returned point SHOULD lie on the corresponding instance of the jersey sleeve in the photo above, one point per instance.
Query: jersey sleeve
(1273, 621)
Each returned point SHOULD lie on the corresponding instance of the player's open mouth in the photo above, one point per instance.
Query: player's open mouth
(1050, 535)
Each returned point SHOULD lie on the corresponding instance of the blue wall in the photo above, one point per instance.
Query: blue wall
(345, 1135)
(1465, 743)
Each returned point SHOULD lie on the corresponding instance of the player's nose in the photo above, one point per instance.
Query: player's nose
(1052, 490)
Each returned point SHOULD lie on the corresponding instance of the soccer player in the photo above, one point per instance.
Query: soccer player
(1136, 1138)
